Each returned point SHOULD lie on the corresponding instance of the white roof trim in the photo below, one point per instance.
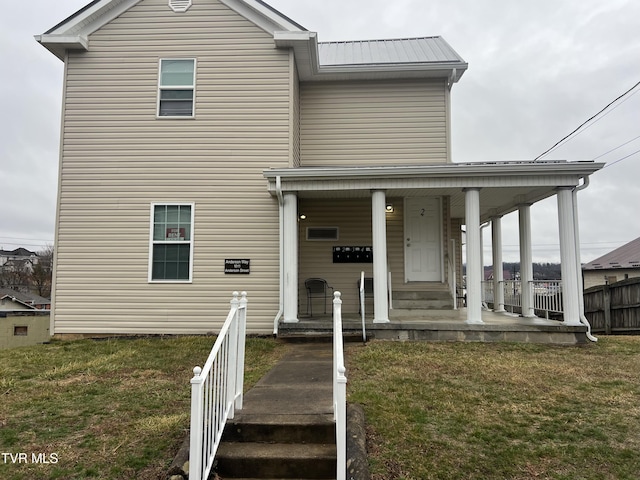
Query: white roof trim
(262, 16)
(457, 170)
(73, 33)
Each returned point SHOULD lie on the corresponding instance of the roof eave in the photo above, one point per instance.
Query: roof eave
(444, 170)
(59, 44)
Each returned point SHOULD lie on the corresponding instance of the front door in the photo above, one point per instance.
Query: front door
(422, 223)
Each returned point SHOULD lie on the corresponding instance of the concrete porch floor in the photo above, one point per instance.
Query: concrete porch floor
(445, 325)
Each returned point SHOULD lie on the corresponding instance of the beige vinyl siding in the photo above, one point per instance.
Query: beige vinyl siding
(295, 117)
(118, 158)
(373, 123)
(353, 219)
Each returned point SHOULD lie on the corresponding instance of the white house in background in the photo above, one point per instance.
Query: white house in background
(217, 145)
(619, 264)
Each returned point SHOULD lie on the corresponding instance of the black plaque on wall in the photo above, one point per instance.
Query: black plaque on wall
(237, 266)
(352, 254)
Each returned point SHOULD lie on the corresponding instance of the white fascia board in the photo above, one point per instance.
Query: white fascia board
(59, 44)
(305, 51)
(262, 16)
(454, 169)
(74, 31)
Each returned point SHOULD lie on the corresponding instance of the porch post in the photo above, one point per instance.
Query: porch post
(568, 255)
(290, 241)
(526, 261)
(474, 268)
(498, 267)
(379, 230)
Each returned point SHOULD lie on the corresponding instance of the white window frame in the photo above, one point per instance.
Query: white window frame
(191, 87)
(153, 242)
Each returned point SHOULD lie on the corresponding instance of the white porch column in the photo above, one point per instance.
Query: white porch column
(526, 261)
(498, 267)
(379, 230)
(570, 275)
(290, 241)
(474, 267)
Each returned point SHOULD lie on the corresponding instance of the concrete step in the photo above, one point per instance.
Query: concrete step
(423, 299)
(274, 428)
(276, 460)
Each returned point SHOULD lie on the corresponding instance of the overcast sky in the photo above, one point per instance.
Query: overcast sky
(537, 70)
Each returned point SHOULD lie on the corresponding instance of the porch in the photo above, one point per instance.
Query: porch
(445, 326)
(407, 220)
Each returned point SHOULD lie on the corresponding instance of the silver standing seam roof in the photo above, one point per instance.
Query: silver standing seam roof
(394, 51)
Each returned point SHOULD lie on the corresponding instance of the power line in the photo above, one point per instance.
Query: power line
(616, 148)
(620, 159)
(584, 123)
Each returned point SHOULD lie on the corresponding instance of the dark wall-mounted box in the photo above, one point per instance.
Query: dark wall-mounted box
(352, 254)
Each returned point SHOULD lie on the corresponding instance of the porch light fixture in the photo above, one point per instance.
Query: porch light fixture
(303, 216)
(389, 208)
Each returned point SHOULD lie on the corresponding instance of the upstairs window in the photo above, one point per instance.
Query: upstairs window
(176, 88)
(171, 243)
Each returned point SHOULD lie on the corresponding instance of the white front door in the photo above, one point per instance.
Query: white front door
(422, 223)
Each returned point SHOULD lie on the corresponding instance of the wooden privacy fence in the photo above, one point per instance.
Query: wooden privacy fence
(614, 308)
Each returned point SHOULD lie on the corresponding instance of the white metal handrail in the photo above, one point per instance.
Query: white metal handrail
(216, 389)
(364, 328)
(546, 295)
(339, 389)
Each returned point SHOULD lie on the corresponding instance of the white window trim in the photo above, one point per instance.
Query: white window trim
(158, 242)
(174, 87)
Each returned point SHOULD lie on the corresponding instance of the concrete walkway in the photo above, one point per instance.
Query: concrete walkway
(300, 384)
(290, 410)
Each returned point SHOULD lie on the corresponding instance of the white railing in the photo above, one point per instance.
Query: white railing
(512, 293)
(339, 389)
(547, 296)
(451, 266)
(216, 390)
(364, 328)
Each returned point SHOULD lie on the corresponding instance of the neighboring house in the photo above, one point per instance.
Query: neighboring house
(619, 264)
(22, 300)
(217, 145)
(20, 259)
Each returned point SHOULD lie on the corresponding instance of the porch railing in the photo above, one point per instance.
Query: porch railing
(547, 295)
(216, 389)
(364, 328)
(339, 389)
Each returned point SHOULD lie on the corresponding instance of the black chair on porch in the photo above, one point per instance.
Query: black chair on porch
(317, 288)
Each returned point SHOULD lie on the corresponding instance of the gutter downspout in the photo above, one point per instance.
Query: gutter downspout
(281, 256)
(583, 318)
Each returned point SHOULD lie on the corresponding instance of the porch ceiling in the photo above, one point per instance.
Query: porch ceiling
(503, 186)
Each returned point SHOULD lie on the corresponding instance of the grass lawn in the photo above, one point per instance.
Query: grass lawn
(119, 409)
(494, 411)
(110, 409)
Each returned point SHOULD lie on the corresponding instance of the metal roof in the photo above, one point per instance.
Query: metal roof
(626, 256)
(393, 51)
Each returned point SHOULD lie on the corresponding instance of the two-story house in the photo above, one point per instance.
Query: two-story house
(217, 145)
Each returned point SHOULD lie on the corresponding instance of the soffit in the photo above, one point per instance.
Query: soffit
(503, 186)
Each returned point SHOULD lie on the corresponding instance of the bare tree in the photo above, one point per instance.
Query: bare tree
(41, 273)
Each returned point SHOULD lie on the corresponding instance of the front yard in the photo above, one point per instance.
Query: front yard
(119, 409)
